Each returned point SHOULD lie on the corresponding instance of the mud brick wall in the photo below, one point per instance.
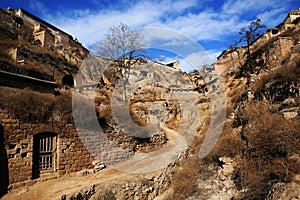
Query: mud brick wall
(18, 144)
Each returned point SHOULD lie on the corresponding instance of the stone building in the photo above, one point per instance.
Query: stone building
(173, 64)
(41, 32)
(284, 44)
(36, 151)
(45, 33)
(290, 21)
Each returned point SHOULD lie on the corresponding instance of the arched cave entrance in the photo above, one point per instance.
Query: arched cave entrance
(44, 154)
(68, 80)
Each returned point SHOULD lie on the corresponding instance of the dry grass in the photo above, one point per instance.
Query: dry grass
(270, 132)
(184, 182)
(284, 74)
(271, 140)
(34, 107)
(229, 144)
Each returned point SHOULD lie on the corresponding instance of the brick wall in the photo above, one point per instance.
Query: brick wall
(71, 154)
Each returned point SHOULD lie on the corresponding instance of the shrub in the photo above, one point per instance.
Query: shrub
(284, 75)
(184, 182)
(229, 144)
(271, 141)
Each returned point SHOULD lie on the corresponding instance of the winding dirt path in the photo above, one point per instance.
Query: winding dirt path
(139, 166)
(54, 189)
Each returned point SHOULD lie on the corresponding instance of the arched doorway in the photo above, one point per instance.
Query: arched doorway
(68, 80)
(44, 154)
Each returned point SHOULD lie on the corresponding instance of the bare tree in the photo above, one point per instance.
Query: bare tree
(125, 47)
(250, 34)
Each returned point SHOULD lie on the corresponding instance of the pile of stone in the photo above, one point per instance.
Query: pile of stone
(98, 165)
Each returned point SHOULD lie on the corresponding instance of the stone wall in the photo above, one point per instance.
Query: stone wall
(71, 154)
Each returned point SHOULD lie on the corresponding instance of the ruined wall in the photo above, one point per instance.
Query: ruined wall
(6, 19)
(34, 29)
(71, 154)
(285, 44)
(45, 37)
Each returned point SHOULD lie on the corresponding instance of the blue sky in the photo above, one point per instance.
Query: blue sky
(213, 24)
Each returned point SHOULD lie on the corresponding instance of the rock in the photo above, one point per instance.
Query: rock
(95, 162)
(220, 174)
(226, 160)
(82, 194)
(85, 172)
(291, 113)
(98, 165)
(296, 179)
(23, 191)
(226, 169)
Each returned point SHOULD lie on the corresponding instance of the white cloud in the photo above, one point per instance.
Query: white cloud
(39, 6)
(243, 7)
(91, 25)
(206, 25)
(268, 17)
(179, 6)
(195, 60)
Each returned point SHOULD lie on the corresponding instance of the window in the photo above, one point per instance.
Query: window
(44, 153)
